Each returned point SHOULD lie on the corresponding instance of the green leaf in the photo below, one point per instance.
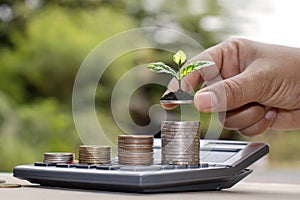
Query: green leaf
(194, 66)
(160, 67)
(179, 57)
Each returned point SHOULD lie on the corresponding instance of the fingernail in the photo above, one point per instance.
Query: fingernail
(270, 114)
(205, 100)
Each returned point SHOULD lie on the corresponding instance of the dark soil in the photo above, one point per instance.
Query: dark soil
(178, 95)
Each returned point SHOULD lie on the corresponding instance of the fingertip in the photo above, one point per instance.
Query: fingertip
(271, 114)
(169, 106)
(205, 101)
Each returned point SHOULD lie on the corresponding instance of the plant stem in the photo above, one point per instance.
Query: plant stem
(179, 77)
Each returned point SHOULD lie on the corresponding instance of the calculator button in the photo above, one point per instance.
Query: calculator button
(84, 166)
(192, 166)
(180, 166)
(44, 164)
(204, 165)
(167, 167)
(40, 164)
(65, 165)
(108, 167)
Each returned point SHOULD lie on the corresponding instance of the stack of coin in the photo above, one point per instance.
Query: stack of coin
(135, 149)
(94, 154)
(58, 157)
(180, 142)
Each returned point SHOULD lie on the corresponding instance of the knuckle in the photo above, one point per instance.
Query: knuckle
(234, 92)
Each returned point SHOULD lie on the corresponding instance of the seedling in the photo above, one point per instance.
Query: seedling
(179, 58)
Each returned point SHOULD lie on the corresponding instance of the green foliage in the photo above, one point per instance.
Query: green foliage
(179, 58)
(28, 131)
(160, 67)
(194, 67)
(37, 75)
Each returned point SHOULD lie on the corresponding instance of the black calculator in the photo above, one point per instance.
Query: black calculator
(223, 163)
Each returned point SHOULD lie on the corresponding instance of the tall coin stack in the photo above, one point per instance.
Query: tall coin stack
(94, 154)
(58, 157)
(135, 149)
(180, 142)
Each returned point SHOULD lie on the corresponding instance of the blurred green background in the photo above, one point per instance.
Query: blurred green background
(42, 44)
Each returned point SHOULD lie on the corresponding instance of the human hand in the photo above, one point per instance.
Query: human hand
(260, 87)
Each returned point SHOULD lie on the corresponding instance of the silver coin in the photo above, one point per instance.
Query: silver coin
(135, 136)
(180, 138)
(90, 163)
(124, 161)
(135, 158)
(179, 143)
(181, 122)
(180, 152)
(180, 134)
(180, 156)
(136, 163)
(125, 149)
(58, 154)
(180, 129)
(192, 126)
(170, 146)
(185, 144)
(134, 154)
(179, 149)
(92, 151)
(134, 145)
(134, 151)
(94, 161)
(182, 160)
(94, 158)
(174, 162)
(176, 101)
(95, 146)
(94, 154)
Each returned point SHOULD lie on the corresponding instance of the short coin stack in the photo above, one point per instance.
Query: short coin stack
(180, 142)
(135, 149)
(94, 154)
(58, 157)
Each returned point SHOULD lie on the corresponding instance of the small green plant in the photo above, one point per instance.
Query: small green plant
(179, 58)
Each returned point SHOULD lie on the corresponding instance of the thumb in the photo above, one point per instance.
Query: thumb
(228, 94)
